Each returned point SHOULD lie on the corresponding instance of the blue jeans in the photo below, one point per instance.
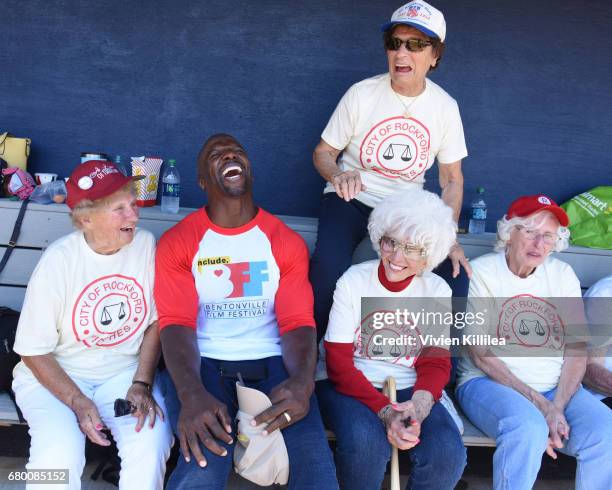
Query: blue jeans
(342, 226)
(362, 449)
(305, 440)
(521, 433)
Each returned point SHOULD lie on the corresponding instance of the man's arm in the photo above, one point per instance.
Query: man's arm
(347, 184)
(451, 183)
(292, 396)
(597, 376)
(202, 416)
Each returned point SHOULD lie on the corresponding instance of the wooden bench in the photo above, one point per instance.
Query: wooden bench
(43, 224)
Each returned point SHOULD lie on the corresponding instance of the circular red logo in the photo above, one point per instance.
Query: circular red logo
(397, 148)
(393, 343)
(530, 321)
(109, 311)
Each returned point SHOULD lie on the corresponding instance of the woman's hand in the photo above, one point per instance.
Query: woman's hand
(558, 428)
(89, 419)
(347, 184)
(402, 426)
(146, 406)
(458, 259)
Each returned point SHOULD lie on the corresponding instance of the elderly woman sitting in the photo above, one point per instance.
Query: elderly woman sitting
(413, 232)
(526, 392)
(88, 336)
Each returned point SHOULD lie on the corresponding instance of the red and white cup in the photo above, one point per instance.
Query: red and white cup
(44, 178)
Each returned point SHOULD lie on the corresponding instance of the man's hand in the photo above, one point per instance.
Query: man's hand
(558, 428)
(205, 418)
(145, 404)
(402, 426)
(291, 397)
(457, 256)
(89, 419)
(347, 184)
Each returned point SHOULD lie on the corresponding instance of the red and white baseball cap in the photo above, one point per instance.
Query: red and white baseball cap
(420, 15)
(95, 179)
(527, 205)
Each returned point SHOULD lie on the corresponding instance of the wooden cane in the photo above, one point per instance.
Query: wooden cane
(389, 389)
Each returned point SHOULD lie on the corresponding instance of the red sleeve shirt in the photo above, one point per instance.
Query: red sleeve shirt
(241, 288)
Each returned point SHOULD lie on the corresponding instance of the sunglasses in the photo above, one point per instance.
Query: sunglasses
(410, 251)
(412, 45)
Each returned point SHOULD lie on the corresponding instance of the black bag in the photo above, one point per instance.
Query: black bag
(8, 358)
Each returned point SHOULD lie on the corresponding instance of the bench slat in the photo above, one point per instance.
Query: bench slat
(20, 266)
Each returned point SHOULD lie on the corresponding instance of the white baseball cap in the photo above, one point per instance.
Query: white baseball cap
(421, 16)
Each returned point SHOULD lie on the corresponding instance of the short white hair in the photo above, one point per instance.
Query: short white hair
(506, 225)
(416, 216)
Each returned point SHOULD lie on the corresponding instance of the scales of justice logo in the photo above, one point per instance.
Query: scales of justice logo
(397, 148)
(109, 311)
(393, 342)
(530, 321)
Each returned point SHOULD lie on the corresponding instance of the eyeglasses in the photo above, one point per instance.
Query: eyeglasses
(532, 234)
(410, 251)
(413, 45)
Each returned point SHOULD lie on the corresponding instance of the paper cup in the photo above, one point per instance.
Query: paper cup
(146, 189)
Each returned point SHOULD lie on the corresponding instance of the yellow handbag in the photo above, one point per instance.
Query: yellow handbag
(15, 151)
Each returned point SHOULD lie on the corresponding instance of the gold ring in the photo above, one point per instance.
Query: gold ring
(288, 417)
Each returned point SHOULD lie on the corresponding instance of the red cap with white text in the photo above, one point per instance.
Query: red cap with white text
(93, 180)
(527, 205)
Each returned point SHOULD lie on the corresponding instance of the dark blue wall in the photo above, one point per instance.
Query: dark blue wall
(156, 77)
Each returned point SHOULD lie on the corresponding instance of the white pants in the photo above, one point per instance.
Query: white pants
(58, 443)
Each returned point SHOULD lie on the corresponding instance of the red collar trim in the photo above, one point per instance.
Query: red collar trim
(394, 287)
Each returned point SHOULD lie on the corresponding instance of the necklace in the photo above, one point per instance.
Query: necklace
(407, 114)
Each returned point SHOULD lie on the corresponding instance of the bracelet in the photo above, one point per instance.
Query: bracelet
(138, 382)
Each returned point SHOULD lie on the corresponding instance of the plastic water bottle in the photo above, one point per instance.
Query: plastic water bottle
(171, 188)
(478, 220)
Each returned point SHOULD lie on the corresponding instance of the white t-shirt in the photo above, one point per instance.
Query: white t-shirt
(89, 310)
(531, 326)
(601, 289)
(240, 288)
(361, 281)
(393, 152)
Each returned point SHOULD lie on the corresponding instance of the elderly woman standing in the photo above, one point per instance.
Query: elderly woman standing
(527, 394)
(388, 130)
(412, 232)
(88, 336)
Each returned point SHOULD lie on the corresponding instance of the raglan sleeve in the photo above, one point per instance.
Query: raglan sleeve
(175, 293)
(294, 298)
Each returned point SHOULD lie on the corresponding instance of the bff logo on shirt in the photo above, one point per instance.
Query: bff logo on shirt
(397, 148)
(109, 311)
(530, 321)
(237, 280)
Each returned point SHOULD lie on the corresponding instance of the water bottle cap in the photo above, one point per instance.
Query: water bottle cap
(172, 163)
(480, 190)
